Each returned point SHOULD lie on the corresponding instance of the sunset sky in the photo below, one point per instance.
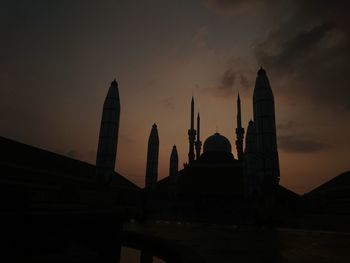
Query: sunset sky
(58, 58)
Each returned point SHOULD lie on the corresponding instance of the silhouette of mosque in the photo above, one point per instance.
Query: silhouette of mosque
(215, 178)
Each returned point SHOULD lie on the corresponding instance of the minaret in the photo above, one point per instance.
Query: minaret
(265, 128)
(191, 135)
(152, 159)
(239, 131)
(108, 137)
(198, 142)
(173, 171)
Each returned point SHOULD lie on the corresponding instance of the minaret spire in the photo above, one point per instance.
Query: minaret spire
(173, 171)
(239, 117)
(265, 128)
(191, 135)
(192, 113)
(108, 137)
(198, 141)
(239, 131)
(152, 159)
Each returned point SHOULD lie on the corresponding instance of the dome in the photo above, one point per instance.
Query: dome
(217, 143)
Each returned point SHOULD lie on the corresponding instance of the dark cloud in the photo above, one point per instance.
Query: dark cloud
(232, 80)
(309, 53)
(227, 82)
(306, 49)
(293, 51)
(297, 144)
(244, 81)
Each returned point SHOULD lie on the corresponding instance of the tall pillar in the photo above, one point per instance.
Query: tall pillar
(173, 171)
(152, 159)
(265, 128)
(239, 131)
(108, 137)
(191, 135)
(198, 142)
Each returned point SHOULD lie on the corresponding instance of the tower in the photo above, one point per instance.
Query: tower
(191, 135)
(173, 171)
(265, 128)
(198, 142)
(108, 137)
(152, 159)
(239, 131)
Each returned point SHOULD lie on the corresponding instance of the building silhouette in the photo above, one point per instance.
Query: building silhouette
(267, 165)
(259, 160)
(217, 178)
(152, 159)
(173, 171)
(198, 142)
(239, 131)
(108, 137)
(191, 136)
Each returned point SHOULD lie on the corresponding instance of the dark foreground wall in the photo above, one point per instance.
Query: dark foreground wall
(61, 236)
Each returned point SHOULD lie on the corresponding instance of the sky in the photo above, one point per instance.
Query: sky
(58, 58)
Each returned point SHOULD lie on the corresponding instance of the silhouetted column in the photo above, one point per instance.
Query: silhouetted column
(191, 135)
(198, 141)
(152, 159)
(173, 171)
(108, 137)
(239, 131)
(265, 128)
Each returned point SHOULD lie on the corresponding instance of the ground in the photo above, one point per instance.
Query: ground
(225, 243)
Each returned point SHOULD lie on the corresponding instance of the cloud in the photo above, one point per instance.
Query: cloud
(293, 51)
(232, 79)
(226, 86)
(227, 82)
(244, 81)
(309, 53)
(297, 144)
(305, 49)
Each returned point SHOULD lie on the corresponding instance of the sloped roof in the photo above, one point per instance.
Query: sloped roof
(25, 157)
(337, 187)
